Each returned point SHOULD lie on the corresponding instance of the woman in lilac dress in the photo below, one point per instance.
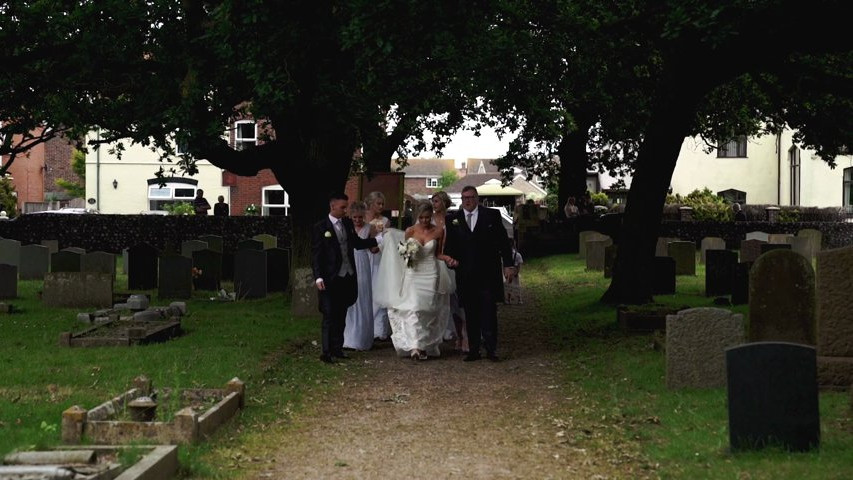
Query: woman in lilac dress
(358, 332)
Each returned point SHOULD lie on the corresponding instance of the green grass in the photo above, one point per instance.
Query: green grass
(620, 382)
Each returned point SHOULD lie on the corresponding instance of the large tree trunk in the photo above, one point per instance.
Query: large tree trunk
(573, 163)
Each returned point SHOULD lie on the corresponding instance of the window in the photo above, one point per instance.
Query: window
(794, 159)
(174, 191)
(275, 201)
(245, 134)
(847, 189)
(432, 183)
(735, 148)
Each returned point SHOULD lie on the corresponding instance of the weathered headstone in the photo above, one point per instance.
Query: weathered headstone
(250, 244)
(803, 246)
(696, 340)
(79, 250)
(35, 262)
(269, 241)
(214, 242)
(835, 317)
(78, 289)
(595, 254)
(175, 278)
(250, 273)
(782, 299)
(190, 246)
(772, 396)
(228, 265)
(769, 247)
(65, 261)
(779, 238)
(750, 250)
(8, 281)
(815, 242)
(10, 252)
(52, 245)
(684, 254)
(719, 272)
(304, 290)
(764, 237)
(711, 243)
(278, 269)
(100, 262)
(661, 248)
(740, 283)
(208, 265)
(663, 276)
(142, 267)
(609, 260)
(124, 267)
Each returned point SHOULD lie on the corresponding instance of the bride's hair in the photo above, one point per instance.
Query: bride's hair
(420, 209)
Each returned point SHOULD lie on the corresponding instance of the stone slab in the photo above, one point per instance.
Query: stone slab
(78, 289)
(782, 299)
(696, 340)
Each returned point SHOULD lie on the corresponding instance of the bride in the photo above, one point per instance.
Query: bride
(414, 285)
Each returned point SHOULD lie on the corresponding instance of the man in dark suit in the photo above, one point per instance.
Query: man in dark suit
(477, 243)
(332, 242)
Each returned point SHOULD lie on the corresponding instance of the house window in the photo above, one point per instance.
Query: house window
(847, 189)
(794, 158)
(275, 201)
(171, 192)
(432, 183)
(245, 134)
(735, 148)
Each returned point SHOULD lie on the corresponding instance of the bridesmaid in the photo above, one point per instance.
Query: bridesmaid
(358, 333)
(440, 203)
(375, 202)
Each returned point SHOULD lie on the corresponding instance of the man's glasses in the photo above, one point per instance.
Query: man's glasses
(468, 197)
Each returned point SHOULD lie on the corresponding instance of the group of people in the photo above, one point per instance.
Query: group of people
(201, 205)
(580, 206)
(441, 278)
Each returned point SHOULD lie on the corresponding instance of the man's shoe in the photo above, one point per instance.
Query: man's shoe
(493, 357)
(326, 358)
(341, 355)
(471, 357)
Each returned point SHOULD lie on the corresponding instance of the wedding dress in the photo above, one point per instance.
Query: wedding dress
(417, 297)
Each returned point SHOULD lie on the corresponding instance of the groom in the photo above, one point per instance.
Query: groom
(478, 244)
(332, 242)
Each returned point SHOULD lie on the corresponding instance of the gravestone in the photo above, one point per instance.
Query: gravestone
(750, 250)
(250, 273)
(663, 276)
(661, 248)
(8, 281)
(769, 247)
(740, 283)
(175, 278)
(268, 240)
(79, 250)
(100, 262)
(719, 272)
(595, 254)
(10, 252)
(35, 262)
(250, 244)
(586, 236)
(779, 238)
(815, 241)
(835, 317)
(609, 260)
(214, 242)
(142, 267)
(190, 246)
(710, 243)
(782, 299)
(65, 261)
(803, 246)
(78, 289)
(209, 263)
(684, 254)
(278, 269)
(696, 341)
(124, 267)
(764, 237)
(228, 265)
(772, 396)
(52, 245)
(304, 292)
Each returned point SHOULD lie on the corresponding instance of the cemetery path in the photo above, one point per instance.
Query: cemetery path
(444, 418)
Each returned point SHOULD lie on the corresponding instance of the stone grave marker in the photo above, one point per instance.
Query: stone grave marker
(719, 272)
(740, 283)
(815, 241)
(278, 269)
(79, 250)
(250, 244)
(228, 265)
(779, 238)
(190, 246)
(586, 236)
(595, 254)
(269, 241)
(663, 276)
(8, 281)
(250, 273)
(803, 246)
(711, 243)
(769, 247)
(214, 242)
(304, 299)
(661, 249)
(782, 299)
(100, 262)
(66, 261)
(142, 267)
(35, 262)
(764, 237)
(175, 278)
(52, 245)
(696, 341)
(684, 254)
(772, 396)
(209, 262)
(124, 267)
(10, 252)
(835, 317)
(609, 260)
(78, 289)
(750, 250)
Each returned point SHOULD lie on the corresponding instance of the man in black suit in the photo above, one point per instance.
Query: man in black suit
(332, 242)
(477, 243)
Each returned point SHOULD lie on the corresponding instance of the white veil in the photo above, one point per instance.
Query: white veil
(388, 283)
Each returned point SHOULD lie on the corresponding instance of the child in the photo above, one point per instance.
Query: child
(512, 289)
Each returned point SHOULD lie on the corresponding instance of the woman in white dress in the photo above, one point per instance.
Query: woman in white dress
(358, 332)
(416, 289)
(378, 223)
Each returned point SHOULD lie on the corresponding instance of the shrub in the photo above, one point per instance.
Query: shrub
(600, 199)
(708, 206)
(180, 208)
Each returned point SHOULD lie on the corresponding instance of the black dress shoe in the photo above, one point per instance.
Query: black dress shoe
(341, 355)
(493, 357)
(471, 357)
(326, 358)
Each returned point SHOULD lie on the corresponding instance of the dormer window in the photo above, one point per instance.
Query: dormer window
(245, 134)
(734, 148)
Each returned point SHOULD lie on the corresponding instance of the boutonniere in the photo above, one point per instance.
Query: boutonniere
(328, 234)
(456, 221)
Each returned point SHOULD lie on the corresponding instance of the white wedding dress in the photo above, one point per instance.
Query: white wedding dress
(417, 297)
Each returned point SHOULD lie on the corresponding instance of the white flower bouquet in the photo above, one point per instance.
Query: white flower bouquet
(408, 249)
(378, 224)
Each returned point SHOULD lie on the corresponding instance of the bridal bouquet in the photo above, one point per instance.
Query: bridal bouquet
(378, 224)
(408, 249)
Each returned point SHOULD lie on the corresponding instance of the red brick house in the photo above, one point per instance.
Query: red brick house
(423, 174)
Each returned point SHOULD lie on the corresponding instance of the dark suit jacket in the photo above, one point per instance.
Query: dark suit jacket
(480, 252)
(326, 252)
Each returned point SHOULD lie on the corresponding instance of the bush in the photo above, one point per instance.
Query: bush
(251, 210)
(8, 200)
(180, 208)
(600, 199)
(707, 206)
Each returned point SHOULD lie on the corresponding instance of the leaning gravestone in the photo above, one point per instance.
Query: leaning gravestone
(10, 252)
(250, 273)
(250, 244)
(772, 396)
(35, 262)
(663, 276)
(304, 300)
(595, 254)
(175, 278)
(8, 281)
(209, 267)
(278, 269)
(684, 254)
(814, 239)
(769, 247)
(661, 249)
(750, 250)
(719, 272)
(190, 246)
(78, 289)
(782, 299)
(99, 262)
(696, 340)
(711, 243)
(779, 238)
(52, 245)
(214, 242)
(740, 283)
(609, 260)
(764, 237)
(79, 250)
(835, 317)
(65, 261)
(268, 240)
(142, 267)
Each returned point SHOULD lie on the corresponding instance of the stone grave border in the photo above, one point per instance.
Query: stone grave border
(159, 463)
(154, 331)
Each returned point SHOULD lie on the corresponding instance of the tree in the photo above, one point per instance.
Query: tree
(447, 178)
(8, 200)
(78, 166)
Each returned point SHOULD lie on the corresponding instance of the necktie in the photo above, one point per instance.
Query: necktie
(469, 221)
(339, 230)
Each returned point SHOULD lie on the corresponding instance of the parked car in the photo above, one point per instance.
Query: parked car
(68, 210)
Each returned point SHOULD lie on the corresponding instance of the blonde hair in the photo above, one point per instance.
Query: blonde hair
(420, 209)
(445, 199)
(372, 197)
(357, 207)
